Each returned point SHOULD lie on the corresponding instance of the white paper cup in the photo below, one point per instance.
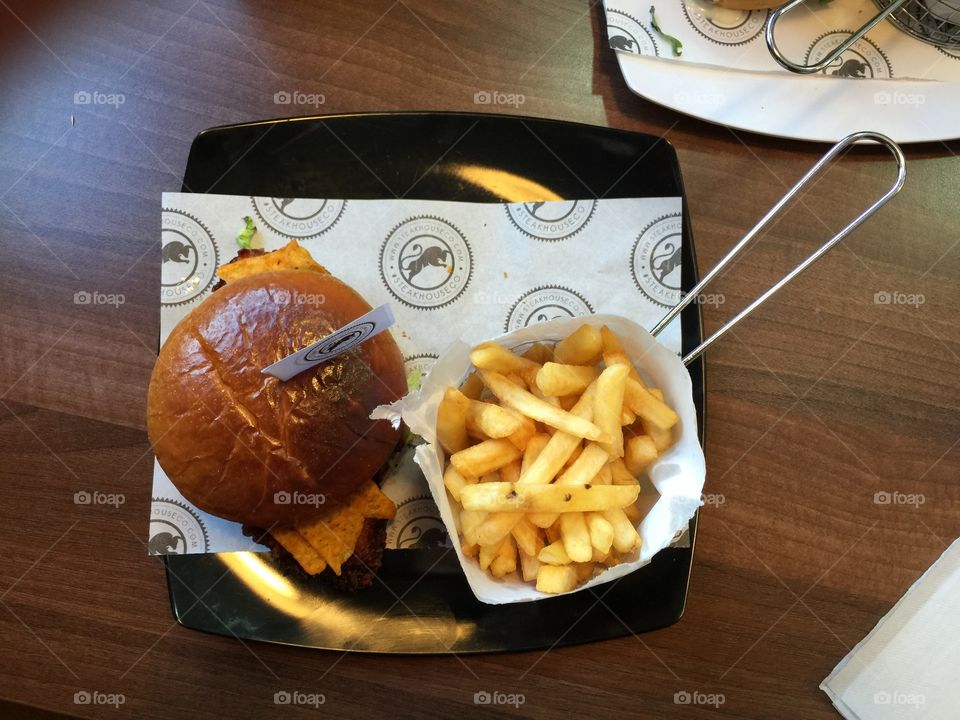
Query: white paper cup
(678, 474)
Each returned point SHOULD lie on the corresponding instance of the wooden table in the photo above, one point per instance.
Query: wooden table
(823, 399)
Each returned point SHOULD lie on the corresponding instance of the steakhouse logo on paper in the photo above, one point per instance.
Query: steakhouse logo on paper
(417, 526)
(629, 34)
(298, 218)
(546, 303)
(863, 61)
(188, 257)
(419, 364)
(656, 260)
(551, 221)
(175, 529)
(426, 262)
(722, 26)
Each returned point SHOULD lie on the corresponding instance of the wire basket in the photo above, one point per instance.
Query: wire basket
(934, 21)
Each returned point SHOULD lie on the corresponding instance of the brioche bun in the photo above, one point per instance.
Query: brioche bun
(231, 438)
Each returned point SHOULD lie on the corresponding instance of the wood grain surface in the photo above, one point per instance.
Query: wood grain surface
(821, 400)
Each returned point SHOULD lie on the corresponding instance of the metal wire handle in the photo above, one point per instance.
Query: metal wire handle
(771, 214)
(831, 57)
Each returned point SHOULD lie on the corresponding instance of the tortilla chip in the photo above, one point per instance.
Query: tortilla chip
(334, 537)
(290, 257)
(303, 553)
(370, 502)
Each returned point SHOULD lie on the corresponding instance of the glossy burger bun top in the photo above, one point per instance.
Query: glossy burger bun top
(238, 443)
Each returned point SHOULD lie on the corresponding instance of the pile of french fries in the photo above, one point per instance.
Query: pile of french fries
(544, 451)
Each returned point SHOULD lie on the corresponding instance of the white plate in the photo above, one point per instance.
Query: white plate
(798, 106)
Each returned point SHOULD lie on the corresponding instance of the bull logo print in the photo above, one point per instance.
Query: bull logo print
(420, 258)
(665, 261)
(176, 251)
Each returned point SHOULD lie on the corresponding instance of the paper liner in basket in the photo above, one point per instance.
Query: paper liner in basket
(678, 474)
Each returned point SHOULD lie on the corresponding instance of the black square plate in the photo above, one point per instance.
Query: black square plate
(422, 603)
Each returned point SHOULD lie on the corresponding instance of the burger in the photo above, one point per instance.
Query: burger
(295, 462)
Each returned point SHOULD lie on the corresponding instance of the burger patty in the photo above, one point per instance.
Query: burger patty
(357, 573)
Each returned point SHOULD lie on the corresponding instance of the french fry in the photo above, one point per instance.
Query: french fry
(493, 356)
(533, 407)
(517, 497)
(488, 554)
(552, 532)
(601, 532)
(452, 421)
(529, 566)
(511, 471)
(584, 570)
(496, 527)
(522, 436)
(555, 579)
(657, 393)
(640, 451)
(633, 513)
(579, 471)
(662, 438)
(574, 456)
(492, 420)
(560, 446)
(604, 476)
(613, 353)
(491, 477)
(542, 519)
(559, 379)
(528, 537)
(455, 481)
(619, 473)
(582, 347)
(647, 407)
(485, 457)
(470, 520)
(607, 407)
(539, 353)
(625, 536)
(627, 416)
(506, 560)
(472, 387)
(533, 449)
(554, 554)
(568, 401)
(469, 550)
(586, 467)
(576, 537)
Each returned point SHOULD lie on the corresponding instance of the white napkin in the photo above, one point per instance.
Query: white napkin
(909, 664)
